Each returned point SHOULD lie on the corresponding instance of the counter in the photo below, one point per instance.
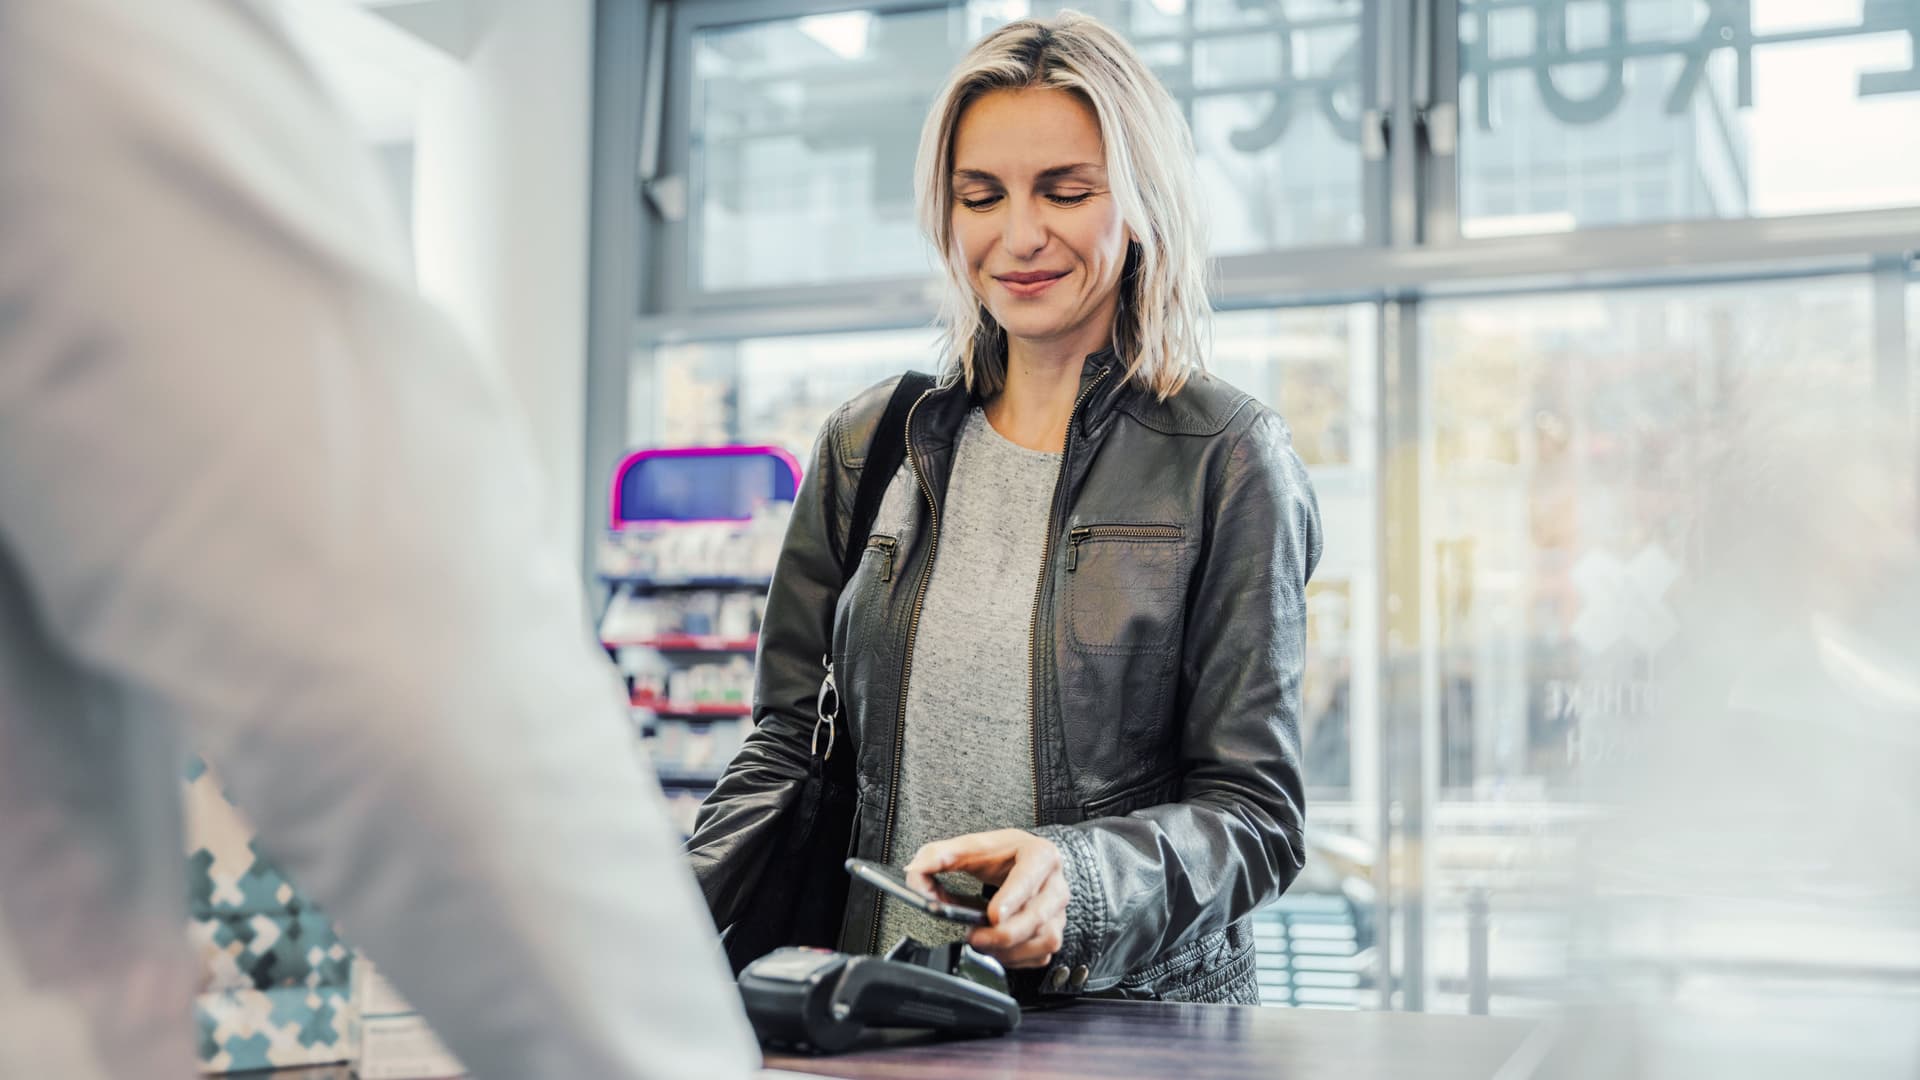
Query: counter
(1125, 1040)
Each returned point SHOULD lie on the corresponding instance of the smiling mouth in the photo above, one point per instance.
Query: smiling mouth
(1031, 277)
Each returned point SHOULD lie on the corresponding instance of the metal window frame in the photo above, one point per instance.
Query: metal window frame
(675, 308)
(676, 255)
(1596, 258)
(1411, 243)
(622, 31)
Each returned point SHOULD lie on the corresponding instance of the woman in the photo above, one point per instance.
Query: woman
(1070, 655)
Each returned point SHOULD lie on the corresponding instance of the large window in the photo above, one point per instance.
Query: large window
(803, 130)
(1578, 113)
(1633, 501)
(775, 391)
(1274, 96)
(1314, 365)
(1598, 326)
(1576, 442)
(804, 135)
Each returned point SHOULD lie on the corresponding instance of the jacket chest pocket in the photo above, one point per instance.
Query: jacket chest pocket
(863, 648)
(1126, 587)
(863, 603)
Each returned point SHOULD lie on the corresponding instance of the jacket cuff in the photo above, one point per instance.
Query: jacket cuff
(1086, 911)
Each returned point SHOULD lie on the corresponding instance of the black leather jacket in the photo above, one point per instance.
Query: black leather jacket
(1169, 638)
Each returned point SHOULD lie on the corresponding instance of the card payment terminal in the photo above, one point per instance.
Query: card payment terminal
(822, 1001)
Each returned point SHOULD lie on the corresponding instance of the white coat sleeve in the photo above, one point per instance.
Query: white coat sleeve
(260, 487)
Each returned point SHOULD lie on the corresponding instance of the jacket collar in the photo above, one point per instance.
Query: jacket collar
(1111, 389)
(948, 406)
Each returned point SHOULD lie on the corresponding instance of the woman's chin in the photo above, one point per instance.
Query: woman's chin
(1031, 326)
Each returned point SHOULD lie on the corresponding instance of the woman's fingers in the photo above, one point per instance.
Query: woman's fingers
(1027, 915)
(986, 855)
(1035, 863)
(1030, 934)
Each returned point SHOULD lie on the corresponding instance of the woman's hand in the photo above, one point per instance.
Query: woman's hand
(1028, 915)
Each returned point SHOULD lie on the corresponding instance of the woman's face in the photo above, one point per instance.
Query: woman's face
(1033, 219)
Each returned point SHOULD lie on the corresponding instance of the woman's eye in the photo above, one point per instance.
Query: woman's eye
(1071, 200)
(980, 203)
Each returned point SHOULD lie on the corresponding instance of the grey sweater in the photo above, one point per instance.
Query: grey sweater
(967, 762)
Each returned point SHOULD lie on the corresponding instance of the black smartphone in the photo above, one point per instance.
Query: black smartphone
(970, 910)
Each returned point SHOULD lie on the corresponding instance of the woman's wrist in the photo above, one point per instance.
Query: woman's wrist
(1086, 903)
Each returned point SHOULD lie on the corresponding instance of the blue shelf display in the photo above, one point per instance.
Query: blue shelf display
(699, 484)
(693, 535)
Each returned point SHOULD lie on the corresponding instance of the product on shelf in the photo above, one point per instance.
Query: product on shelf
(730, 683)
(636, 616)
(672, 552)
(696, 688)
(740, 615)
(687, 749)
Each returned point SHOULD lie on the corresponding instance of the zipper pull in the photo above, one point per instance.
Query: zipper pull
(886, 544)
(1074, 539)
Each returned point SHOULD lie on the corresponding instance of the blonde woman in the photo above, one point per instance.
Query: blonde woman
(1070, 654)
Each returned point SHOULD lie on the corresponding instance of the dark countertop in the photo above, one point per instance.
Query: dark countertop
(1125, 1039)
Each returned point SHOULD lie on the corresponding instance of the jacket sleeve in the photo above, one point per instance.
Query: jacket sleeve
(267, 497)
(732, 835)
(1158, 878)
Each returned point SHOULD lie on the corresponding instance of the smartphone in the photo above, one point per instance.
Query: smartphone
(970, 910)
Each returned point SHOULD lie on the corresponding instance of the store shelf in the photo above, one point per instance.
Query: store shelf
(666, 710)
(644, 584)
(690, 643)
(687, 778)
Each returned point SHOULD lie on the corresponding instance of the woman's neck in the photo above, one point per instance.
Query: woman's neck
(1036, 405)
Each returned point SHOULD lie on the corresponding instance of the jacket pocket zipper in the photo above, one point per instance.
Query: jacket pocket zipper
(887, 545)
(1083, 533)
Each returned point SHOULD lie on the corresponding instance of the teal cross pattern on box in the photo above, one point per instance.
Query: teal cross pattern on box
(274, 975)
(278, 1028)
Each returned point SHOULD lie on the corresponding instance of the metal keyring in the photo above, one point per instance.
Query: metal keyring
(824, 714)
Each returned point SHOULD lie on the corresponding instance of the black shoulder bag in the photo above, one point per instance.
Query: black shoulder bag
(800, 897)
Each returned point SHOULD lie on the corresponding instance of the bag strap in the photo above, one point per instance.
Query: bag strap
(884, 455)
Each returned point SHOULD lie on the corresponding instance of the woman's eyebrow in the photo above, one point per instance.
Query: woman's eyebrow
(1057, 172)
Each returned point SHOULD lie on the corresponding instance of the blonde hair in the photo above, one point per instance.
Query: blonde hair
(1163, 324)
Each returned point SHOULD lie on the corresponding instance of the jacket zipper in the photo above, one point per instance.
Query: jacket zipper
(1039, 590)
(886, 545)
(1115, 532)
(906, 662)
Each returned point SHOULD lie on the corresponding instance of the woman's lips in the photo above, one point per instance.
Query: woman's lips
(1029, 283)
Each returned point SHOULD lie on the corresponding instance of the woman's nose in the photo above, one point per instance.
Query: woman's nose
(1025, 233)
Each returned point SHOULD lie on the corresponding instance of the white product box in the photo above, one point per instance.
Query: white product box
(403, 1048)
(395, 1041)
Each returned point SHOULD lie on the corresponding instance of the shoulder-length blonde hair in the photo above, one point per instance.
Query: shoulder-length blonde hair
(1163, 325)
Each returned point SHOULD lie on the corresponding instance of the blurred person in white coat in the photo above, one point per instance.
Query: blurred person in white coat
(258, 500)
